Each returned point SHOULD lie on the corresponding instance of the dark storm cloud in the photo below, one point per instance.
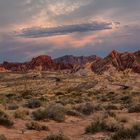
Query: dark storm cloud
(63, 30)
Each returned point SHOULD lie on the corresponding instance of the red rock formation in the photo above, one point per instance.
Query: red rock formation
(44, 62)
(121, 61)
(14, 66)
(76, 60)
(2, 69)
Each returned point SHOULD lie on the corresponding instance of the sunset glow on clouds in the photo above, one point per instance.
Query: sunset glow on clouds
(59, 27)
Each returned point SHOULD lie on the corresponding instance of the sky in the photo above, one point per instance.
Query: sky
(29, 28)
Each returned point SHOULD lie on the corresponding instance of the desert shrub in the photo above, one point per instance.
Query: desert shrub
(66, 100)
(5, 120)
(75, 94)
(127, 133)
(21, 114)
(109, 113)
(86, 108)
(40, 114)
(126, 99)
(73, 113)
(27, 94)
(60, 93)
(56, 137)
(10, 95)
(2, 137)
(33, 103)
(111, 96)
(111, 107)
(102, 98)
(103, 125)
(95, 127)
(36, 126)
(43, 99)
(134, 108)
(56, 112)
(13, 107)
(2, 100)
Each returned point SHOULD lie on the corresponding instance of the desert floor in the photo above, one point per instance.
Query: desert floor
(93, 107)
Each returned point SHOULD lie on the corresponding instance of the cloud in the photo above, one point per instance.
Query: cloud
(61, 30)
(64, 7)
(18, 11)
(66, 29)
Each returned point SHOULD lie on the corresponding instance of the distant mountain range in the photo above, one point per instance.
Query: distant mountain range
(119, 61)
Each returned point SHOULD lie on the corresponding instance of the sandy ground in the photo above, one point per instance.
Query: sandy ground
(73, 127)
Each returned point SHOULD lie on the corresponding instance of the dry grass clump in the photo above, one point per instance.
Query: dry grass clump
(73, 113)
(126, 99)
(60, 93)
(85, 108)
(34, 103)
(56, 112)
(13, 106)
(127, 133)
(102, 125)
(5, 119)
(27, 94)
(59, 136)
(123, 119)
(36, 126)
(134, 108)
(21, 113)
(111, 107)
(2, 137)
